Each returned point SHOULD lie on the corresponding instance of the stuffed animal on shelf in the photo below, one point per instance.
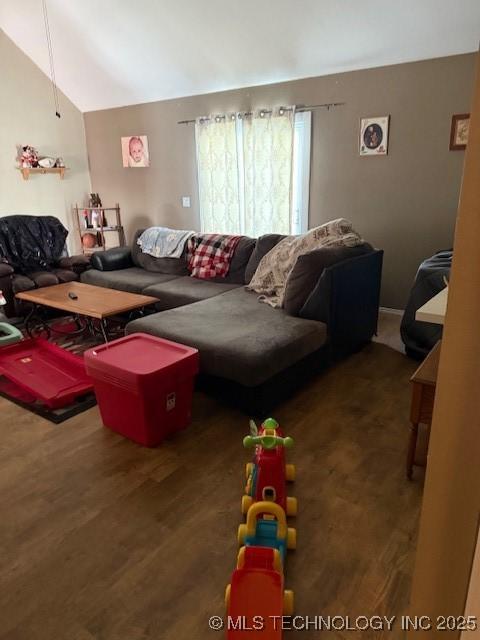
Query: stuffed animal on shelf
(28, 156)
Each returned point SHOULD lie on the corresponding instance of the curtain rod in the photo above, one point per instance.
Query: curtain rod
(300, 108)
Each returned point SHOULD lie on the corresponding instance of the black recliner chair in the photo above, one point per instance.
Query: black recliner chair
(33, 254)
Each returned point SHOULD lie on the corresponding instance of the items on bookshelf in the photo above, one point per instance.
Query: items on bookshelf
(99, 227)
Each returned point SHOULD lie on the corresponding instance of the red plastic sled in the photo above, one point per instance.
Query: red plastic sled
(53, 375)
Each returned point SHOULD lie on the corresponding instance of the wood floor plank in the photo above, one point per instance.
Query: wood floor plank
(101, 539)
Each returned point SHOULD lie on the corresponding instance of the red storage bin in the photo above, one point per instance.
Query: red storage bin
(144, 386)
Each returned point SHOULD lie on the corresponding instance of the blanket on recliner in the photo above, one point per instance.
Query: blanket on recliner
(31, 243)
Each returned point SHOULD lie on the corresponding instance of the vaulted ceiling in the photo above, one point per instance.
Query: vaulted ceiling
(111, 53)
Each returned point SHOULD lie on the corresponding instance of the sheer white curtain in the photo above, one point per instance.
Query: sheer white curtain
(245, 169)
(267, 161)
(217, 165)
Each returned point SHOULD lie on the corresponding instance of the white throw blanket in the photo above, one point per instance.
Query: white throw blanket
(270, 278)
(162, 242)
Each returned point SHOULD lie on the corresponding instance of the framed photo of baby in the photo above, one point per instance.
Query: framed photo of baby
(135, 151)
(374, 136)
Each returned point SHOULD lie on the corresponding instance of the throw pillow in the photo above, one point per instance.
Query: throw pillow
(243, 251)
(263, 246)
(308, 269)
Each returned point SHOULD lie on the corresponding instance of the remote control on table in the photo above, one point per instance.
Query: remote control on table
(72, 296)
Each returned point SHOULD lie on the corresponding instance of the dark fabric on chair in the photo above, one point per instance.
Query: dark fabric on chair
(29, 243)
(263, 245)
(420, 337)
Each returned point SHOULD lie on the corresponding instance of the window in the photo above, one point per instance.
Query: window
(253, 172)
(301, 171)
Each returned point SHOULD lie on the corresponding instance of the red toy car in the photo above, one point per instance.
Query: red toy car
(267, 475)
(255, 600)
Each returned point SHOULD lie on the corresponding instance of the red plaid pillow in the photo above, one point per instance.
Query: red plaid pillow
(210, 254)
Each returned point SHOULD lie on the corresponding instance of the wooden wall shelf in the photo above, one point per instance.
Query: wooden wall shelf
(26, 171)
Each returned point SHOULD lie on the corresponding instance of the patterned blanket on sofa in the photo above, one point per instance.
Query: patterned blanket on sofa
(270, 278)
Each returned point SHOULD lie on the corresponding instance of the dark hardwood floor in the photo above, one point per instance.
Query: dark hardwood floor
(103, 539)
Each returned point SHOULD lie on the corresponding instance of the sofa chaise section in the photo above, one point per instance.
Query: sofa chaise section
(238, 338)
(253, 355)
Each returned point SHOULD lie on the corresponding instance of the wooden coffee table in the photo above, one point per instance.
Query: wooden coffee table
(90, 303)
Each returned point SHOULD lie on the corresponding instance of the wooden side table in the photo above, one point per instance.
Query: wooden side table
(423, 381)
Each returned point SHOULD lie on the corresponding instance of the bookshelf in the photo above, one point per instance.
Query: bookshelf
(104, 224)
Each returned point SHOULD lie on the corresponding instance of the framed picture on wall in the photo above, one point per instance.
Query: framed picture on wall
(459, 131)
(135, 151)
(374, 136)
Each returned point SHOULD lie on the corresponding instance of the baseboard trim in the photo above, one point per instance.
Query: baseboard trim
(395, 312)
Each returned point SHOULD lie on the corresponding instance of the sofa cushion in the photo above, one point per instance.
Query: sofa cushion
(308, 269)
(65, 275)
(43, 278)
(186, 290)
(173, 266)
(263, 245)
(21, 283)
(238, 337)
(5, 269)
(72, 262)
(134, 280)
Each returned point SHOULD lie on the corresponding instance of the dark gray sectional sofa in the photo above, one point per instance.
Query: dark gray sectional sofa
(250, 354)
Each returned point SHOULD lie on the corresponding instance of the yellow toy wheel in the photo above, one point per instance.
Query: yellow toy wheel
(288, 602)
(242, 534)
(290, 472)
(247, 502)
(291, 538)
(227, 597)
(248, 469)
(291, 506)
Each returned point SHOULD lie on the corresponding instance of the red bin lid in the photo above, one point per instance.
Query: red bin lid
(139, 354)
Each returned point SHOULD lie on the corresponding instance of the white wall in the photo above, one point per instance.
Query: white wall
(27, 116)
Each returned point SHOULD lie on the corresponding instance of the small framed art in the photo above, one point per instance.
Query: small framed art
(374, 136)
(135, 151)
(459, 131)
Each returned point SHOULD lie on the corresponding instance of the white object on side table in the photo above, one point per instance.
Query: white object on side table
(434, 310)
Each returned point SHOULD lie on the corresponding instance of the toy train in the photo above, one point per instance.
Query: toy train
(267, 474)
(256, 599)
